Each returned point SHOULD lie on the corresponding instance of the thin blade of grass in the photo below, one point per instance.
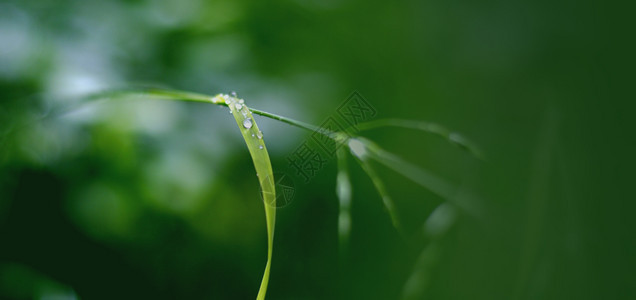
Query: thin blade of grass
(292, 122)
(343, 191)
(157, 94)
(422, 177)
(169, 94)
(438, 186)
(255, 143)
(359, 150)
(436, 226)
(254, 139)
(420, 279)
(433, 128)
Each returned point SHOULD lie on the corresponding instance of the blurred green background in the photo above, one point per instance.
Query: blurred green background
(143, 199)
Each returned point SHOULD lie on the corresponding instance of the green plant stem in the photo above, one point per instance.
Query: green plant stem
(286, 120)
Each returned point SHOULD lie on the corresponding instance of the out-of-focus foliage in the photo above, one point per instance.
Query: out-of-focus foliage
(159, 200)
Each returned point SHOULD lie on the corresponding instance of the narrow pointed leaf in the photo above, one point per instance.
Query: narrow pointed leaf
(433, 128)
(426, 179)
(255, 143)
(343, 191)
(359, 148)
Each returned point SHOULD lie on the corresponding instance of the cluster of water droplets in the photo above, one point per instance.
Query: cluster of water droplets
(238, 105)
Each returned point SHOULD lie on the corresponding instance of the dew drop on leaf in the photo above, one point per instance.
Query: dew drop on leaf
(247, 123)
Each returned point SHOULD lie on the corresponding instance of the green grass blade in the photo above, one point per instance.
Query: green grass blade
(358, 147)
(436, 226)
(421, 277)
(436, 129)
(196, 97)
(361, 148)
(157, 94)
(289, 121)
(410, 171)
(343, 191)
(59, 110)
(254, 139)
(433, 183)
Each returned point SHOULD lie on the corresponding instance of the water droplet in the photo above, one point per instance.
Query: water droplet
(247, 123)
(241, 101)
(238, 106)
(259, 135)
(260, 147)
(233, 93)
(253, 135)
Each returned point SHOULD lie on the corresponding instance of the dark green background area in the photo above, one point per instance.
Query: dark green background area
(139, 199)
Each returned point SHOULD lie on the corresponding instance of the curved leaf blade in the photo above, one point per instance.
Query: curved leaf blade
(255, 144)
(432, 128)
